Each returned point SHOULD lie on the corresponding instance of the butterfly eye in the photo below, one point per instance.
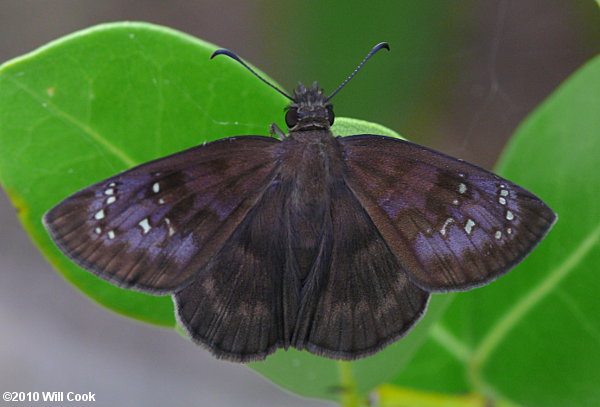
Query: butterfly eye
(330, 114)
(291, 117)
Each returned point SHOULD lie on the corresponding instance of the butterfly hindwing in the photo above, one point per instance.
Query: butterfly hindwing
(364, 299)
(152, 227)
(237, 306)
(452, 225)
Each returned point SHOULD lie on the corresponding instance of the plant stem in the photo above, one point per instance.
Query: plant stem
(348, 396)
(393, 396)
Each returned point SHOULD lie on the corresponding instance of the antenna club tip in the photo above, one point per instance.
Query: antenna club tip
(232, 55)
(382, 45)
(223, 51)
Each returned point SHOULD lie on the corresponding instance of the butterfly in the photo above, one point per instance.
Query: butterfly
(306, 240)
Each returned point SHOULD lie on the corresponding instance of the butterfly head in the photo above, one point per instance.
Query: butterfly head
(310, 109)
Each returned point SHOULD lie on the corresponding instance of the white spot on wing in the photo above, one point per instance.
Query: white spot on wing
(498, 235)
(161, 201)
(155, 188)
(503, 192)
(462, 188)
(111, 234)
(509, 231)
(509, 215)
(98, 230)
(145, 225)
(112, 184)
(469, 226)
(455, 202)
(446, 224)
(171, 230)
(111, 200)
(109, 191)
(502, 201)
(99, 215)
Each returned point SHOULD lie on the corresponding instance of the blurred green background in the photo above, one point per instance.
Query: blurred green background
(460, 77)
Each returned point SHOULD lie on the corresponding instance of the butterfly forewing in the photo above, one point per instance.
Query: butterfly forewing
(452, 225)
(152, 227)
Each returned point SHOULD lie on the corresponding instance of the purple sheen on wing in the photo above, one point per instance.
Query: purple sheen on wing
(187, 248)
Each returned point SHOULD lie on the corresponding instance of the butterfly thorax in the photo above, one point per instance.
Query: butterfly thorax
(310, 110)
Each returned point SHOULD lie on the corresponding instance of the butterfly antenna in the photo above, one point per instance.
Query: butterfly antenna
(234, 56)
(369, 55)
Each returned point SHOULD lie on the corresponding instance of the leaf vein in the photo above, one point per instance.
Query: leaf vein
(451, 343)
(86, 129)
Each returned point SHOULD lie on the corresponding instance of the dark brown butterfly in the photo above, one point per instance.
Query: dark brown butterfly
(310, 241)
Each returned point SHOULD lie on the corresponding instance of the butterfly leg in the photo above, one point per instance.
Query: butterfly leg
(274, 130)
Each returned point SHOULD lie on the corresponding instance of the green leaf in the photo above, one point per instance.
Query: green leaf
(107, 98)
(533, 336)
(347, 127)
